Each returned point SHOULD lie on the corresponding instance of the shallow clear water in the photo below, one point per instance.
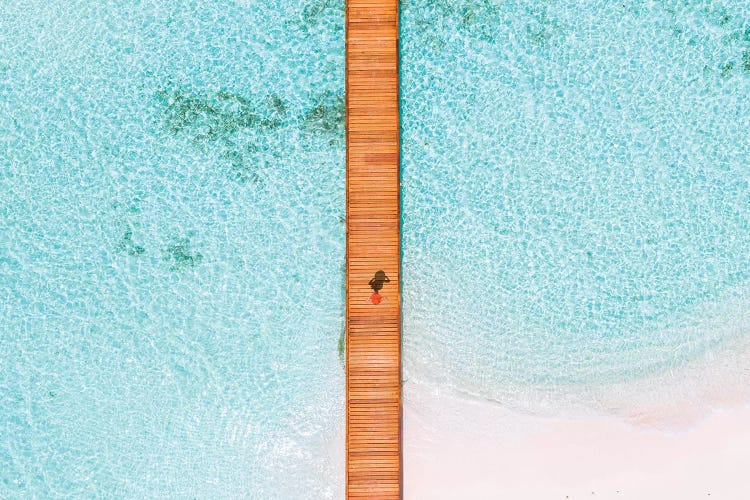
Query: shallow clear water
(576, 210)
(576, 189)
(171, 248)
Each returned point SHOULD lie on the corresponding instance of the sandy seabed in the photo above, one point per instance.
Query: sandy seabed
(684, 435)
(528, 457)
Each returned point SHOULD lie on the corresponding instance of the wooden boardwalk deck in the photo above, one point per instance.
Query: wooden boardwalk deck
(373, 332)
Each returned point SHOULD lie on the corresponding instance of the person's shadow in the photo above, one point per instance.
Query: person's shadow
(377, 281)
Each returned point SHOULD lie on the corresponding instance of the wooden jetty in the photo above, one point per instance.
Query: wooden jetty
(373, 332)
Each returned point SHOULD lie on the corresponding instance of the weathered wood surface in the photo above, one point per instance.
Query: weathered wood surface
(373, 332)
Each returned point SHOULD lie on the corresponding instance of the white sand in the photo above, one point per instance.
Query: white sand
(461, 448)
(683, 434)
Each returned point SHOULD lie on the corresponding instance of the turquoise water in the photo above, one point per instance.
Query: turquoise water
(576, 190)
(171, 248)
(576, 210)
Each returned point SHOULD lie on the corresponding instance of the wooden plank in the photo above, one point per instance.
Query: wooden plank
(373, 332)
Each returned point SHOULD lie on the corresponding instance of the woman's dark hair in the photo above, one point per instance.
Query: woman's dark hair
(377, 281)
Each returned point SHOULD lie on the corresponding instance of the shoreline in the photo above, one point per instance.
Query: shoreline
(496, 453)
(681, 434)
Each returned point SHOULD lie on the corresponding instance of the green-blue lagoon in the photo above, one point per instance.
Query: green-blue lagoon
(171, 247)
(575, 217)
(576, 191)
